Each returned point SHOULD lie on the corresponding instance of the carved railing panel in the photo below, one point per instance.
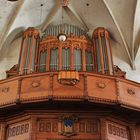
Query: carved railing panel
(8, 92)
(129, 93)
(101, 88)
(68, 91)
(35, 87)
(92, 87)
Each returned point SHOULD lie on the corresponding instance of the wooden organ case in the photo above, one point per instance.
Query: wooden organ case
(67, 90)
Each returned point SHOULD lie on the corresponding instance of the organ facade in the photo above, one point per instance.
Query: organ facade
(68, 90)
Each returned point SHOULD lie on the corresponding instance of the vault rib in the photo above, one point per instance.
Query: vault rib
(78, 17)
(50, 17)
(10, 22)
(135, 48)
(121, 34)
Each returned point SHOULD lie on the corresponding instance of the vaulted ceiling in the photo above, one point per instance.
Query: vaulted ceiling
(120, 17)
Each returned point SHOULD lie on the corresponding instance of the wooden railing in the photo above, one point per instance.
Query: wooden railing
(92, 87)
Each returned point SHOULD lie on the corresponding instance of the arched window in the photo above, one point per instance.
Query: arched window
(54, 59)
(89, 61)
(77, 59)
(65, 58)
(42, 61)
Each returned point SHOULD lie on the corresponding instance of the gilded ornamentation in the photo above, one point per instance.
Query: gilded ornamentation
(130, 91)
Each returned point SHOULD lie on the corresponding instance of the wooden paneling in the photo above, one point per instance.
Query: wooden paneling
(17, 131)
(129, 93)
(55, 129)
(102, 88)
(94, 87)
(116, 131)
(67, 91)
(35, 87)
(8, 92)
(138, 132)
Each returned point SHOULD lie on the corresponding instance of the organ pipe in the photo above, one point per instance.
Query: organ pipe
(28, 52)
(103, 54)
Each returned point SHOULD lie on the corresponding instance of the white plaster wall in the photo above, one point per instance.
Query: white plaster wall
(120, 58)
(9, 57)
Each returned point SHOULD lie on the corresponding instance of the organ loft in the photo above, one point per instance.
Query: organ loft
(66, 87)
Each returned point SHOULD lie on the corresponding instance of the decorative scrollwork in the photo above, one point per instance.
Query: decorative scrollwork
(101, 85)
(68, 77)
(130, 91)
(70, 82)
(35, 84)
(118, 131)
(5, 89)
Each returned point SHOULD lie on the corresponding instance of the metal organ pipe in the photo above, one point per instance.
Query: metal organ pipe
(103, 57)
(88, 56)
(27, 60)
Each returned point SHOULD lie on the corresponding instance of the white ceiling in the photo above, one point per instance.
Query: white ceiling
(120, 17)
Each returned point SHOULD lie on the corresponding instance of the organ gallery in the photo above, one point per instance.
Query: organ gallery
(68, 89)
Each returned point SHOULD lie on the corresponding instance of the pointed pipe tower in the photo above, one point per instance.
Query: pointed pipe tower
(103, 53)
(28, 52)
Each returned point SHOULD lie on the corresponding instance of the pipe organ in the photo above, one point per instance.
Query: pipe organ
(77, 53)
(68, 90)
(103, 54)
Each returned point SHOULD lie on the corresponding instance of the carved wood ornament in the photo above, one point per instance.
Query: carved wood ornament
(68, 122)
(101, 85)
(35, 84)
(130, 91)
(5, 89)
